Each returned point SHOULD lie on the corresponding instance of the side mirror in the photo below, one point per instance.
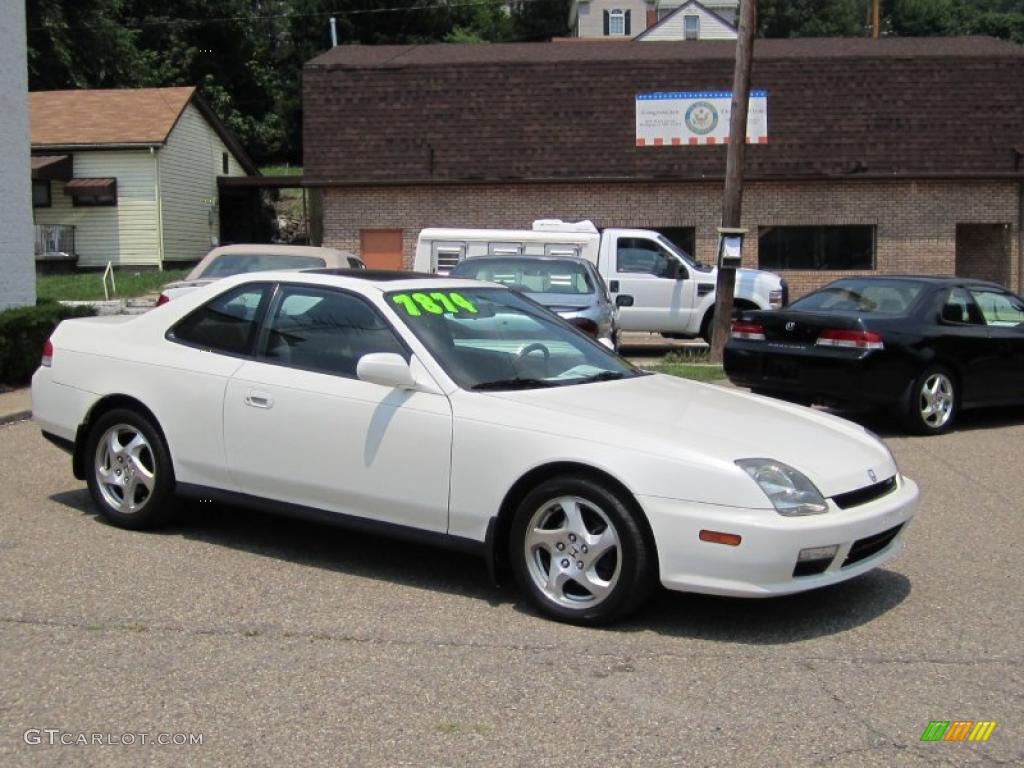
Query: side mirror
(953, 313)
(386, 369)
(623, 300)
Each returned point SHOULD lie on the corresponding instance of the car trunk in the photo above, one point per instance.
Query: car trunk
(803, 328)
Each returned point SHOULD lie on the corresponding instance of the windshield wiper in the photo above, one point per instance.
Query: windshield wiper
(602, 376)
(516, 383)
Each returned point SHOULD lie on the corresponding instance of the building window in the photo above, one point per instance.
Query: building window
(225, 163)
(41, 193)
(817, 248)
(691, 27)
(82, 200)
(616, 23)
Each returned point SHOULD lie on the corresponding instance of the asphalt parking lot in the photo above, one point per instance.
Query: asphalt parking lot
(286, 643)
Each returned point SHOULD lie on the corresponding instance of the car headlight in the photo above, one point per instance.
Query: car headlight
(789, 490)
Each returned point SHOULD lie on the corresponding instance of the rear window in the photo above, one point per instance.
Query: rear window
(529, 275)
(883, 297)
(242, 263)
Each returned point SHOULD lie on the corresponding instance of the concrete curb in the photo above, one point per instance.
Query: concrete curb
(10, 418)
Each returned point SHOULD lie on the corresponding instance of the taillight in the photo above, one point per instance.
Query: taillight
(163, 298)
(47, 360)
(835, 337)
(742, 329)
(589, 327)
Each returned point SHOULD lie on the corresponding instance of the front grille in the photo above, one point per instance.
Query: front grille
(812, 567)
(865, 494)
(864, 548)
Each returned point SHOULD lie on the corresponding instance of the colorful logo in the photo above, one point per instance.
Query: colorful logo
(958, 730)
(701, 117)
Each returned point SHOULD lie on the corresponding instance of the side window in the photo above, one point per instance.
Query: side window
(959, 308)
(646, 257)
(998, 308)
(326, 331)
(227, 324)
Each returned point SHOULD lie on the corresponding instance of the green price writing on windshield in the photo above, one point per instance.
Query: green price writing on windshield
(434, 303)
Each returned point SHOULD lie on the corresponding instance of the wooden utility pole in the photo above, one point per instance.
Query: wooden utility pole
(732, 201)
(876, 17)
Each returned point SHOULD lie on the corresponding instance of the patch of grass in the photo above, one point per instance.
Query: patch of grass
(695, 371)
(281, 170)
(88, 286)
(689, 356)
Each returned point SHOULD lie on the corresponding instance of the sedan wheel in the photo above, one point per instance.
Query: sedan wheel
(933, 403)
(130, 474)
(579, 553)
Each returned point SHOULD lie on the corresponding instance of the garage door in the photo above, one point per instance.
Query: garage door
(381, 248)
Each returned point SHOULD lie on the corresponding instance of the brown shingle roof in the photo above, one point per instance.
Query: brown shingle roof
(97, 117)
(895, 107)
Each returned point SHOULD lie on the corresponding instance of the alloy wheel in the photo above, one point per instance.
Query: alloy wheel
(573, 552)
(125, 469)
(935, 400)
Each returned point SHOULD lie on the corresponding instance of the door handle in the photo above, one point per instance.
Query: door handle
(258, 399)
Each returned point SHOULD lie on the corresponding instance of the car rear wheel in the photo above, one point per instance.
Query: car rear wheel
(933, 403)
(579, 553)
(707, 326)
(129, 470)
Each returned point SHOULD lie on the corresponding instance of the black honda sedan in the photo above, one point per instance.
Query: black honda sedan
(929, 346)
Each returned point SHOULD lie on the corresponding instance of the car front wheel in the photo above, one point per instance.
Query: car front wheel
(129, 470)
(579, 553)
(933, 402)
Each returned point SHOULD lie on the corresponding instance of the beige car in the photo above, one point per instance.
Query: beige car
(230, 260)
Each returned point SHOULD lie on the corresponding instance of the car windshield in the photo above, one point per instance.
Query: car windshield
(242, 263)
(493, 339)
(862, 296)
(530, 275)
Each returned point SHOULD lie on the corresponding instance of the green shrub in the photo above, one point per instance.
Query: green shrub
(23, 331)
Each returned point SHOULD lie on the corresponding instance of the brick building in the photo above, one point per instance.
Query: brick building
(889, 156)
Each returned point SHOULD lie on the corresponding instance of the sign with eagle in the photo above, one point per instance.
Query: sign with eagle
(695, 118)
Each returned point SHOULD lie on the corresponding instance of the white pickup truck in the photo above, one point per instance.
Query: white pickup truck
(657, 286)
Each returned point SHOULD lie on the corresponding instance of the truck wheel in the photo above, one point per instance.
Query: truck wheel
(707, 325)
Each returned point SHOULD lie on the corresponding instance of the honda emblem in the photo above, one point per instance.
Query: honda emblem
(872, 475)
(790, 325)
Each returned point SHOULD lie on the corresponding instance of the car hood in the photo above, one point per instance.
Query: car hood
(701, 422)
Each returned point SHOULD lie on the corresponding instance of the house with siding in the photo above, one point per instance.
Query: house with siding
(17, 272)
(896, 155)
(653, 19)
(692, 20)
(128, 176)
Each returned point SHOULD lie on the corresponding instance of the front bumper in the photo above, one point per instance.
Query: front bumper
(763, 564)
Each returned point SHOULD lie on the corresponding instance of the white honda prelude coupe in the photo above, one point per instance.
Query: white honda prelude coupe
(464, 414)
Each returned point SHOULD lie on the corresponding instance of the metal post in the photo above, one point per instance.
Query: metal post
(732, 201)
(334, 32)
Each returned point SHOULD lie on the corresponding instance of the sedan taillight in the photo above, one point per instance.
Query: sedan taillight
(163, 298)
(47, 359)
(589, 327)
(850, 339)
(742, 329)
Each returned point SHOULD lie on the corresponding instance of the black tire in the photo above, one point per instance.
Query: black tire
(937, 387)
(146, 505)
(707, 326)
(628, 567)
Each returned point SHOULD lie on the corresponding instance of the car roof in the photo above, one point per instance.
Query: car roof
(524, 257)
(365, 280)
(928, 279)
